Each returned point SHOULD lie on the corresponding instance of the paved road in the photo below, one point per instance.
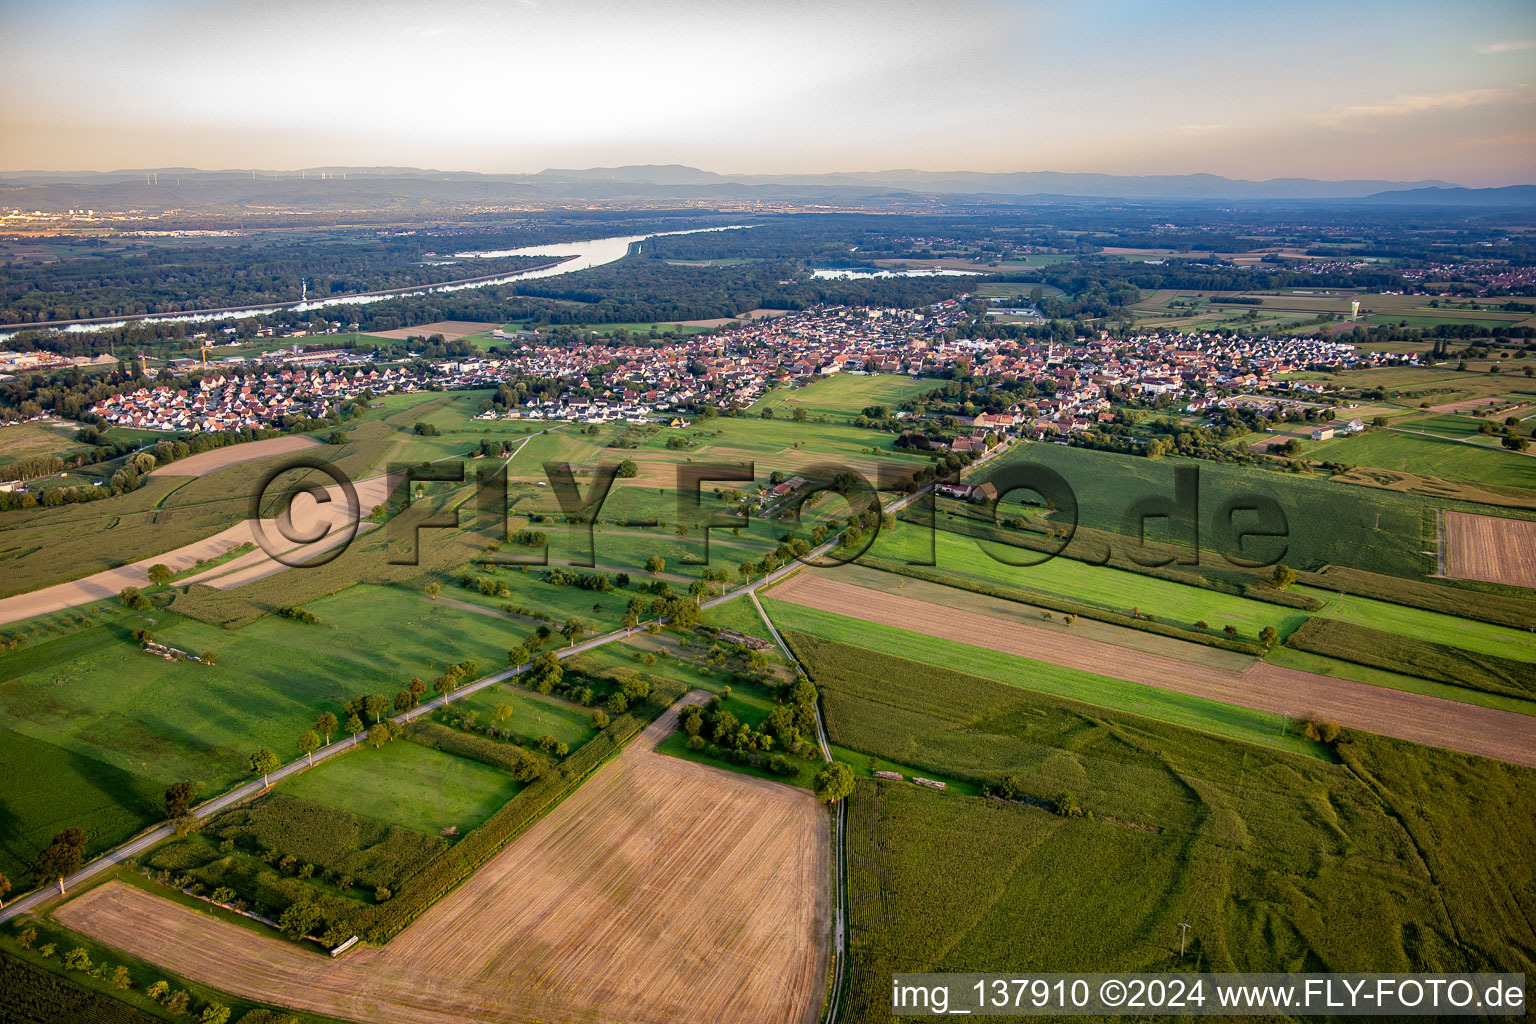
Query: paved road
(139, 844)
(144, 841)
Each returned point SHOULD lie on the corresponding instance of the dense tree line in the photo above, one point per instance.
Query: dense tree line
(95, 278)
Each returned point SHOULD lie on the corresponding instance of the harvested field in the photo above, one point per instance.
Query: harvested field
(662, 890)
(1442, 723)
(719, 321)
(307, 516)
(204, 463)
(1489, 548)
(451, 330)
(1466, 405)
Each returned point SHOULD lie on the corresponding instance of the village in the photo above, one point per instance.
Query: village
(601, 382)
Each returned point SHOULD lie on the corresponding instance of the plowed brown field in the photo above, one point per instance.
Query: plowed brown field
(1470, 728)
(1490, 548)
(660, 891)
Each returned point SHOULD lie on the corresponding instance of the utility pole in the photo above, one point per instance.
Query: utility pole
(1183, 938)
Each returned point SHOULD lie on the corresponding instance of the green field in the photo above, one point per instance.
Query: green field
(845, 394)
(1112, 589)
(1482, 637)
(406, 784)
(43, 546)
(1244, 843)
(1321, 665)
(533, 716)
(1326, 523)
(659, 327)
(21, 440)
(1226, 720)
(1453, 425)
(1443, 457)
(127, 724)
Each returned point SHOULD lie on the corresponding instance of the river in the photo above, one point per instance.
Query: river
(579, 255)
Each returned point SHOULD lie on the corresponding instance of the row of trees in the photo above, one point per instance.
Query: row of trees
(177, 1002)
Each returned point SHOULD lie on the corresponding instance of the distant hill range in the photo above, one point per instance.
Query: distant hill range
(1509, 195)
(358, 188)
(1020, 183)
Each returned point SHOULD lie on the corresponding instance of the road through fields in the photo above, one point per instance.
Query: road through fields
(661, 890)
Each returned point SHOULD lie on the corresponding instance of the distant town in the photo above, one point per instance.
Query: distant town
(734, 367)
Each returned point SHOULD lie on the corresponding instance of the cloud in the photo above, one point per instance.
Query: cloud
(1510, 47)
(1203, 129)
(1402, 106)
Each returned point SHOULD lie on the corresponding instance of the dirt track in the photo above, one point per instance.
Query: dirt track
(1491, 548)
(207, 462)
(661, 891)
(1470, 728)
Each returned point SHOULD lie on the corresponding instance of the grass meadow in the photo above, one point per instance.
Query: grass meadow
(1442, 457)
(1482, 637)
(533, 716)
(406, 784)
(120, 725)
(47, 437)
(843, 395)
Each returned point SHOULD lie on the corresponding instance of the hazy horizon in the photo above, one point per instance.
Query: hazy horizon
(1366, 91)
(727, 174)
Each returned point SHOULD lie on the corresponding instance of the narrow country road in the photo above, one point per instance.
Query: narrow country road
(144, 841)
(839, 845)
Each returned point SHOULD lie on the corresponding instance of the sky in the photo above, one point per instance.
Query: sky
(1400, 90)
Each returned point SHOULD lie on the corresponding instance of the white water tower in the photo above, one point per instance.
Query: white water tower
(1354, 310)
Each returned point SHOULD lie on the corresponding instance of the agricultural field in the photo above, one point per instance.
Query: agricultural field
(128, 724)
(660, 327)
(533, 716)
(1424, 454)
(1040, 676)
(586, 916)
(1481, 637)
(1113, 589)
(451, 330)
(43, 437)
(948, 882)
(1327, 523)
(44, 546)
(1489, 548)
(1305, 309)
(1175, 690)
(844, 395)
(409, 785)
(232, 455)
